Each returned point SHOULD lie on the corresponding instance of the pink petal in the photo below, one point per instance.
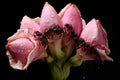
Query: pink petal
(61, 13)
(28, 23)
(95, 35)
(49, 17)
(20, 49)
(37, 20)
(72, 16)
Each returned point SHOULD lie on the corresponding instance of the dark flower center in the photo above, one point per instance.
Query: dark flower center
(54, 32)
(42, 38)
(80, 43)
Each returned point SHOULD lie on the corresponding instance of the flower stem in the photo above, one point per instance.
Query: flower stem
(66, 70)
(56, 71)
(59, 70)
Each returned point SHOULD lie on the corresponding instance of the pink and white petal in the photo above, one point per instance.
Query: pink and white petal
(104, 41)
(83, 23)
(21, 33)
(72, 16)
(37, 20)
(19, 49)
(37, 53)
(103, 55)
(49, 17)
(28, 23)
(34, 55)
(96, 36)
(90, 32)
(18, 52)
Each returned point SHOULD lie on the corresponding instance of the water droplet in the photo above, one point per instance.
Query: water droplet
(84, 77)
(18, 51)
(21, 51)
(28, 50)
(103, 62)
(71, 19)
(47, 21)
(22, 45)
(98, 66)
(52, 16)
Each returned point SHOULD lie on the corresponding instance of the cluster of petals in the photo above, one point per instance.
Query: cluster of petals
(67, 28)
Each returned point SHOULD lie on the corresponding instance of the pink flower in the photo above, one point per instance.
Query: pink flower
(53, 37)
(59, 34)
(95, 43)
(23, 48)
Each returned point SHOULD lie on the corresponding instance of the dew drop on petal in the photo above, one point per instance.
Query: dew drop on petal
(71, 19)
(98, 66)
(28, 51)
(103, 62)
(47, 21)
(18, 51)
(22, 51)
(52, 16)
(84, 77)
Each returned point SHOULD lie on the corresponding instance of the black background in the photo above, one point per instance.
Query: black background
(107, 12)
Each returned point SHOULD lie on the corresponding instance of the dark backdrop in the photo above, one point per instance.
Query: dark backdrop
(107, 12)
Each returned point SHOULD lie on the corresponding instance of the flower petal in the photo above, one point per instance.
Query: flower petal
(23, 48)
(96, 36)
(19, 50)
(49, 17)
(31, 24)
(61, 13)
(72, 16)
